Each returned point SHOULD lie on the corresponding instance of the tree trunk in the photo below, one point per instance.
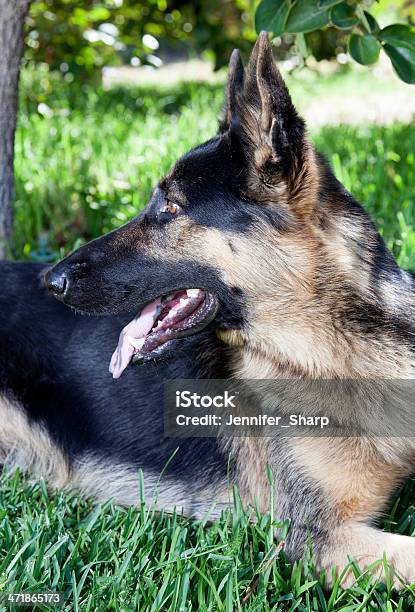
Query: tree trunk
(12, 19)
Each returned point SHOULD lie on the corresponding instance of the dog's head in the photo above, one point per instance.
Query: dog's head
(221, 241)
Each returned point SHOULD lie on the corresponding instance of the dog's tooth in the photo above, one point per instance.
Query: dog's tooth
(173, 311)
(193, 293)
(136, 342)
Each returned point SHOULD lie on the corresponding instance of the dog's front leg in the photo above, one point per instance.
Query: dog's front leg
(367, 546)
(331, 490)
(334, 489)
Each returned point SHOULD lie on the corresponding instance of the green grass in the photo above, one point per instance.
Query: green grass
(112, 558)
(84, 165)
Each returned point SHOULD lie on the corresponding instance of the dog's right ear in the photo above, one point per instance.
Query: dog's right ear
(279, 160)
(234, 89)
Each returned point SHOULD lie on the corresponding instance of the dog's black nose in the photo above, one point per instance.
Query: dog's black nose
(63, 279)
(57, 281)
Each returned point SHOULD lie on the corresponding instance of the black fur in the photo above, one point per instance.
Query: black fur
(55, 363)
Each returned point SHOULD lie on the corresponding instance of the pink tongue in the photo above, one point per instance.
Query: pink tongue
(132, 336)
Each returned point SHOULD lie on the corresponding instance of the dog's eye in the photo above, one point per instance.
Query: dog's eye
(170, 208)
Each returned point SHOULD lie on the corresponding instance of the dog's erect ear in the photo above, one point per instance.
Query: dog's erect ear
(271, 131)
(234, 89)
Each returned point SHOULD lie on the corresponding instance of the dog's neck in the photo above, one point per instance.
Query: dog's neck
(355, 321)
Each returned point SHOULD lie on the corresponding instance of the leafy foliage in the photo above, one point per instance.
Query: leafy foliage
(272, 17)
(306, 16)
(364, 49)
(79, 37)
(400, 46)
(366, 38)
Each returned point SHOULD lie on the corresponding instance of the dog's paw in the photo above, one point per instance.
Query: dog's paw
(383, 556)
(398, 573)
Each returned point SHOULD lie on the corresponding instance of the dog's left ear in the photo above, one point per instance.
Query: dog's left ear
(272, 133)
(234, 87)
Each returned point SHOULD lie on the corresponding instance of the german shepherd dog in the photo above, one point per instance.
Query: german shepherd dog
(249, 261)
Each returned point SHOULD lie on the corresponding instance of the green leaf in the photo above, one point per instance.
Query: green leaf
(306, 16)
(271, 15)
(364, 49)
(343, 16)
(325, 4)
(370, 23)
(403, 61)
(399, 36)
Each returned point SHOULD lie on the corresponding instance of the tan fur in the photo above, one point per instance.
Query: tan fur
(28, 447)
(355, 475)
(291, 333)
(251, 456)
(231, 337)
(277, 190)
(288, 319)
(366, 546)
(359, 475)
(288, 316)
(292, 284)
(341, 242)
(304, 183)
(105, 480)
